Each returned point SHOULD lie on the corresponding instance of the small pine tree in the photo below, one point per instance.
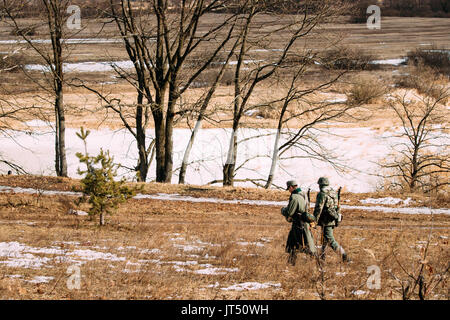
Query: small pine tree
(99, 188)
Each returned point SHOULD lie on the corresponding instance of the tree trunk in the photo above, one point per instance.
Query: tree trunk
(170, 115)
(274, 160)
(414, 169)
(102, 219)
(160, 150)
(60, 139)
(184, 164)
(60, 121)
(168, 163)
(230, 165)
(140, 139)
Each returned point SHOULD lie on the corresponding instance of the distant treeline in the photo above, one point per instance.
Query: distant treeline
(403, 8)
(32, 8)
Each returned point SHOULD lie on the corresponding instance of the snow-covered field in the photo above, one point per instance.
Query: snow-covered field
(14, 254)
(358, 149)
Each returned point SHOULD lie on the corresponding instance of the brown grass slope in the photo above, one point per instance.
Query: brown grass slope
(165, 249)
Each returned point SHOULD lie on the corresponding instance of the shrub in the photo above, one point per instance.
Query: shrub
(346, 58)
(420, 77)
(436, 58)
(10, 63)
(365, 90)
(266, 112)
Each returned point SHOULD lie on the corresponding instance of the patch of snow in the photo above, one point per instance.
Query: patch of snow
(40, 279)
(359, 292)
(150, 251)
(177, 239)
(77, 212)
(233, 63)
(90, 255)
(337, 100)
(252, 286)
(177, 197)
(107, 66)
(18, 256)
(183, 263)
(130, 271)
(73, 243)
(411, 210)
(387, 201)
(215, 271)
(215, 285)
(52, 250)
(244, 243)
(394, 62)
(250, 112)
(188, 247)
(180, 269)
(6, 189)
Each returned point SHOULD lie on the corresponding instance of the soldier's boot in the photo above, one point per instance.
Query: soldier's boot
(292, 257)
(345, 257)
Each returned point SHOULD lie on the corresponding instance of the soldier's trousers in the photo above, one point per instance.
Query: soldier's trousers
(328, 238)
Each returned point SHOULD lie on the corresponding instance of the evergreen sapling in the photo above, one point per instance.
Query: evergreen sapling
(99, 188)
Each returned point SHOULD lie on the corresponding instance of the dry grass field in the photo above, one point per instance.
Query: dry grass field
(155, 249)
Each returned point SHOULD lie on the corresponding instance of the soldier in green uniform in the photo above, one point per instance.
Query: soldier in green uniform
(326, 212)
(299, 237)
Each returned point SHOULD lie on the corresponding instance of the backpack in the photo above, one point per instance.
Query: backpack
(331, 205)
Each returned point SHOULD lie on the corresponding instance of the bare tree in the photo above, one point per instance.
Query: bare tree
(421, 159)
(296, 105)
(52, 16)
(159, 41)
(204, 102)
(288, 30)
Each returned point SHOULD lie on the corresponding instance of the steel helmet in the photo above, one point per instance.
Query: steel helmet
(323, 181)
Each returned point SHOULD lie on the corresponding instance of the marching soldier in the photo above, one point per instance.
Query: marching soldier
(299, 237)
(326, 212)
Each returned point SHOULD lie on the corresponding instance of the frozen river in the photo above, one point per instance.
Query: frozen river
(358, 150)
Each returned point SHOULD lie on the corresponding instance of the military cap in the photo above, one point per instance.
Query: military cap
(323, 181)
(291, 183)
